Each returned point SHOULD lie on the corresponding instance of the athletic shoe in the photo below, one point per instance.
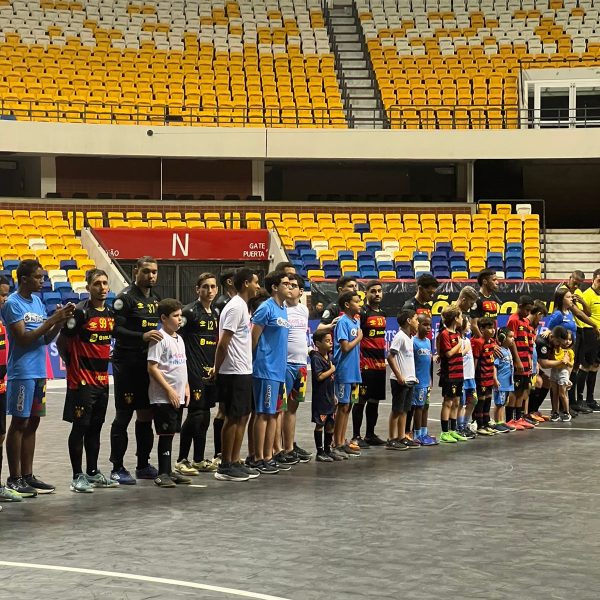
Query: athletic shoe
(428, 440)
(291, 458)
(228, 472)
(409, 435)
(280, 462)
(594, 406)
(148, 472)
(122, 477)
(9, 495)
(179, 479)
(509, 427)
(99, 480)
(565, 417)
(515, 425)
(447, 438)
(466, 432)
(349, 450)
(457, 436)
(502, 428)
(352, 445)
(395, 445)
(217, 460)
(536, 417)
(582, 409)
(266, 468)
(81, 484)
(411, 444)
(374, 441)
(530, 420)
(204, 466)
(303, 455)
(21, 487)
(337, 455)
(525, 424)
(485, 431)
(184, 467)
(473, 426)
(545, 417)
(323, 457)
(164, 481)
(250, 471)
(362, 445)
(39, 485)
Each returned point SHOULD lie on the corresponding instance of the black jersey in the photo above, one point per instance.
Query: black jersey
(331, 312)
(135, 314)
(200, 334)
(419, 307)
(219, 304)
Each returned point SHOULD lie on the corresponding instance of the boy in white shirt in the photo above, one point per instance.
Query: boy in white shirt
(168, 391)
(469, 397)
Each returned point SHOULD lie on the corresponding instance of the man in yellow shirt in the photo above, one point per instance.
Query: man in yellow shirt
(591, 359)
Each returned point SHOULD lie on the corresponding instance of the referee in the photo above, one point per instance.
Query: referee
(136, 320)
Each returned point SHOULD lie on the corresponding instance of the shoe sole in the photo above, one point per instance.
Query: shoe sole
(194, 474)
(43, 492)
(222, 477)
(392, 448)
(164, 485)
(80, 491)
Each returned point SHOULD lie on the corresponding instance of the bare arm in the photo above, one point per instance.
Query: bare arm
(391, 358)
(583, 317)
(326, 374)
(48, 329)
(221, 351)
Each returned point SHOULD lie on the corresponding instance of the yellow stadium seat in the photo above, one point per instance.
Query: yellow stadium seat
(460, 275)
(315, 274)
(387, 275)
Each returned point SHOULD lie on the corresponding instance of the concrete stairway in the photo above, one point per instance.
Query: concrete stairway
(360, 93)
(571, 249)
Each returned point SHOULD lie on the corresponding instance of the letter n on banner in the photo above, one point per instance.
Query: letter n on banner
(183, 247)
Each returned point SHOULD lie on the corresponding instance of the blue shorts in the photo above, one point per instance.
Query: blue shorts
(420, 397)
(469, 395)
(346, 393)
(500, 397)
(268, 396)
(295, 381)
(26, 398)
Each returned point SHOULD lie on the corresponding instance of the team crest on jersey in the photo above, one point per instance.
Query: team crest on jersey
(118, 304)
(326, 314)
(197, 394)
(354, 331)
(71, 323)
(128, 398)
(78, 411)
(281, 322)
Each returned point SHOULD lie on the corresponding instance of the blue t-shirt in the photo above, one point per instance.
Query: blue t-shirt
(347, 364)
(270, 355)
(25, 362)
(422, 354)
(567, 320)
(504, 370)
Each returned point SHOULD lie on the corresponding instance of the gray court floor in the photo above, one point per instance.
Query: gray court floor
(515, 516)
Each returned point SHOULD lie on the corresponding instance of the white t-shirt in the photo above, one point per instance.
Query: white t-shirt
(297, 342)
(468, 362)
(403, 354)
(169, 354)
(236, 318)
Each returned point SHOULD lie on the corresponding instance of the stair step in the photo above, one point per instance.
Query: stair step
(356, 73)
(350, 46)
(347, 38)
(355, 65)
(341, 20)
(345, 30)
(359, 83)
(363, 103)
(352, 55)
(362, 93)
(568, 238)
(577, 231)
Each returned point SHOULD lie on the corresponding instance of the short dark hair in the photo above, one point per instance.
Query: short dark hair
(560, 333)
(485, 323)
(27, 268)
(343, 280)
(372, 283)
(241, 276)
(284, 264)
(273, 279)
(595, 273)
(525, 299)
(345, 298)
(144, 259)
(579, 274)
(297, 277)
(257, 300)
(4, 280)
(484, 275)
(427, 280)
(168, 306)
(91, 274)
(539, 308)
(203, 277)
(405, 315)
(225, 275)
(319, 335)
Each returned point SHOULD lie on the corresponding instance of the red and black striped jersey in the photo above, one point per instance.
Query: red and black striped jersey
(451, 368)
(483, 353)
(524, 340)
(372, 346)
(89, 333)
(2, 358)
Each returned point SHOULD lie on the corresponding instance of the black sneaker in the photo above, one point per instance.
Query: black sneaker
(228, 472)
(267, 468)
(281, 463)
(395, 445)
(247, 470)
(164, 480)
(582, 409)
(409, 443)
(555, 417)
(38, 485)
(18, 485)
(594, 406)
(374, 440)
(565, 417)
(291, 458)
(362, 444)
(178, 478)
(323, 457)
(303, 455)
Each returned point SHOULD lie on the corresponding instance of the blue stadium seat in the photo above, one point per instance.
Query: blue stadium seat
(445, 247)
(345, 255)
(459, 265)
(84, 296)
(365, 255)
(513, 262)
(440, 255)
(51, 297)
(68, 264)
(420, 256)
(51, 307)
(70, 297)
(46, 285)
(473, 274)
(293, 255)
(297, 263)
(456, 256)
(514, 253)
(367, 264)
(352, 273)
(362, 228)
(494, 263)
(440, 261)
(59, 286)
(303, 244)
(332, 273)
(373, 246)
(10, 265)
(404, 273)
(441, 273)
(330, 264)
(418, 273)
(514, 274)
(369, 274)
(311, 264)
(514, 246)
(307, 253)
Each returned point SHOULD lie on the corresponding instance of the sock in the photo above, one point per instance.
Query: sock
(518, 413)
(372, 414)
(217, 428)
(486, 411)
(185, 438)
(319, 439)
(453, 424)
(591, 386)
(165, 442)
(580, 383)
(444, 426)
(145, 440)
(358, 411)
(460, 422)
(510, 413)
(75, 443)
(424, 431)
(328, 440)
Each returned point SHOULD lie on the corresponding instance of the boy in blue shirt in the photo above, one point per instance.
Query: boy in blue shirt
(503, 379)
(421, 391)
(346, 357)
(269, 343)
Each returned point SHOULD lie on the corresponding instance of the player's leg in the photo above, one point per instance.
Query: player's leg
(144, 436)
(217, 429)
(6, 494)
(77, 412)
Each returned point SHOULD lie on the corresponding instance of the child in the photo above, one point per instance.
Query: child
(169, 390)
(539, 381)
(421, 391)
(402, 380)
(323, 398)
(469, 396)
(561, 376)
(503, 379)
(483, 354)
(346, 357)
(452, 374)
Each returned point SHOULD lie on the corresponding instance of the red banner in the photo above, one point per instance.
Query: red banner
(185, 244)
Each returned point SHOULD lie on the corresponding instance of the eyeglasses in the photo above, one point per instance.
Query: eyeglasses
(293, 286)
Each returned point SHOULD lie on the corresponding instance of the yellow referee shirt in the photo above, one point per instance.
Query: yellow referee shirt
(592, 299)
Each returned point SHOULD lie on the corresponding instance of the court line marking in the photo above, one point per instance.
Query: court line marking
(145, 578)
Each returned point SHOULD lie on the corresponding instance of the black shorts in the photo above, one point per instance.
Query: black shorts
(586, 347)
(372, 388)
(401, 397)
(167, 419)
(2, 413)
(86, 404)
(522, 382)
(235, 395)
(453, 388)
(484, 392)
(131, 383)
(202, 397)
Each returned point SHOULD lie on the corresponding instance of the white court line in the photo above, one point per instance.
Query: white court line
(161, 580)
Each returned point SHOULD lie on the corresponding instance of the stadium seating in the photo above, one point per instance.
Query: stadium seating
(210, 62)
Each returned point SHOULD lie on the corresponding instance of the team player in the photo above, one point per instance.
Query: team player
(270, 329)
(84, 346)
(591, 297)
(169, 390)
(200, 331)
(29, 330)
(6, 494)
(136, 320)
(504, 383)
(372, 366)
(333, 312)
(421, 391)
(540, 383)
(484, 348)
(233, 374)
(487, 304)
(346, 357)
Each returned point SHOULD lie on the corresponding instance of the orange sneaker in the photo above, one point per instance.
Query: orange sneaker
(352, 445)
(537, 417)
(525, 424)
(516, 425)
